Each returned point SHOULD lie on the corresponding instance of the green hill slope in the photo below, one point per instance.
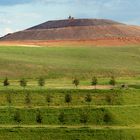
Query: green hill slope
(68, 62)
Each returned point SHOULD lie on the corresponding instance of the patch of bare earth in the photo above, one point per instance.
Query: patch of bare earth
(122, 41)
(97, 87)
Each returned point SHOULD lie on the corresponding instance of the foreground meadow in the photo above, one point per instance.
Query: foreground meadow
(108, 115)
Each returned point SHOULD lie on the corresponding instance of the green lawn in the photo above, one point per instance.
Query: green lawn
(68, 62)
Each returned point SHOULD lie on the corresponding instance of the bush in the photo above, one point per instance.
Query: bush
(94, 82)
(84, 118)
(23, 82)
(112, 81)
(88, 98)
(17, 117)
(99, 115)
(9, 99)
(68, 98)
(107, 118)
(41, 82)
(27, 99)
(39, 117)
(48, 99)
(61, 118)
(103, 116)
(110, 99)
(76, 82)
(6, 82)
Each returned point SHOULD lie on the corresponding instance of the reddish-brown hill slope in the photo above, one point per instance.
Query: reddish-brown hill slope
(78, 30)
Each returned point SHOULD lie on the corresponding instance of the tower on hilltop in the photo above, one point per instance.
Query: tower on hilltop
(70, 18)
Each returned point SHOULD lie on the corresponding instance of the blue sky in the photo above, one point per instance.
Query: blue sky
(17, 15)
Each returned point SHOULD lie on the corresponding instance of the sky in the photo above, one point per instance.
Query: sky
(16, 15)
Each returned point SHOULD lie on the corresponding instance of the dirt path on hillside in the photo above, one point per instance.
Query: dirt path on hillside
(97, 87)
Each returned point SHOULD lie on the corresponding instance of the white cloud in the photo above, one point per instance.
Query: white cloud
(8, 30)
(5, 31)
(5, 21)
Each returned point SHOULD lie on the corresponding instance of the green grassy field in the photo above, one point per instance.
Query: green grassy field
(68, 134)
(120, 97)
(113, 114)
(68, 62)
(123, 111)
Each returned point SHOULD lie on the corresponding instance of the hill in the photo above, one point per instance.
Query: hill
(95, 31)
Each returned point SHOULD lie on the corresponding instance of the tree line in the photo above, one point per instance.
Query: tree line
(41, 82)
(68, 99)
(83, 117)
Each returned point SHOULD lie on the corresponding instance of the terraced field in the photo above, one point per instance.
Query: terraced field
(111, 114)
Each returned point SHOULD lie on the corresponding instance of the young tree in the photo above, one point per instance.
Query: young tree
(112, 81)
(109, 99)
(76, 82)
(23, 83)
(107, 118)
(84, 118)
(88, 98)
(9, 99)
(48, 99)
(27, 99)
(68, 98)
(61, 118)
(6, 82)
(38, 117)
(94, 82)
(17, 117)
(41, 82)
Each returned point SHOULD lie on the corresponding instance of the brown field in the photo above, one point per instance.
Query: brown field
(96, 42)
(77, 32)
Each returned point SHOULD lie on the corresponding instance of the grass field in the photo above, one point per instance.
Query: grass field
(123, 109)
(68, 134)
(68, 62)
(112, 114)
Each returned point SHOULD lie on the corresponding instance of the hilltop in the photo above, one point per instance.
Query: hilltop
(93, 31)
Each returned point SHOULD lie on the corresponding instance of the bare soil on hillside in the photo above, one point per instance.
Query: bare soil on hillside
(70, 43)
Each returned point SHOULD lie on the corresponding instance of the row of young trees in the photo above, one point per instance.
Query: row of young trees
(110, 99)
(49, 99)
(23, 82)
(94, 81)
(83, 117)
(42, 82)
